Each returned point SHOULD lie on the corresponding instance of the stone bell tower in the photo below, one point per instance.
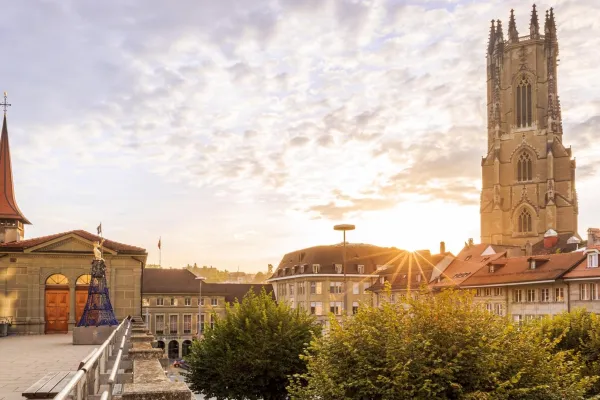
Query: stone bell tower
(528, 175)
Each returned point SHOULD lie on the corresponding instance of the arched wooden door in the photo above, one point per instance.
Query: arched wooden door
(82, 287)
(57, 304)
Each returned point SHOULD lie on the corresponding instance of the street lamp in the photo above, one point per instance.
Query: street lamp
(199, 279)
(344, 228)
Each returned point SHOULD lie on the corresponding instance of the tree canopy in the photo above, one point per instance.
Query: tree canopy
(252, 350)
(445, 347)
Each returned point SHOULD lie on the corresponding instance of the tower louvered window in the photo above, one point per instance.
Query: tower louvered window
(523, 103)
(524, 221)
(524, 168)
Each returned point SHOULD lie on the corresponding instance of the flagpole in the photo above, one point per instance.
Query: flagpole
(160, 252)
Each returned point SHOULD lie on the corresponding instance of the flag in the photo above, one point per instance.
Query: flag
(99, 229)
(159, 243)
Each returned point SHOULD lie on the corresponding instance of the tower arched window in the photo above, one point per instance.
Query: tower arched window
(525, 221)
(523, 102)
(524, 167)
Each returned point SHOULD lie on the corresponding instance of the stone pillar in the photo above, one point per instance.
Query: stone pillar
(180, 349)
(72, 321)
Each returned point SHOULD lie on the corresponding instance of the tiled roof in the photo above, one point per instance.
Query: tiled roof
(183, 281)
(406, 273)
(582, 270)
(327, 256)
(8, 204)
(517, 270)
(561, 245)
(21, 245)
(463, 268)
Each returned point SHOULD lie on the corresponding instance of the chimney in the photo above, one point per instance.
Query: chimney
(528, 249)
(550, 238)
(442, 247)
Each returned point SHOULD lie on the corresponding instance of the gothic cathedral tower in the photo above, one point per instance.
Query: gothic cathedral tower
(528, 175)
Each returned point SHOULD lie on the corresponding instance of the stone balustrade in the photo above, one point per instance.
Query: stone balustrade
(149, 379)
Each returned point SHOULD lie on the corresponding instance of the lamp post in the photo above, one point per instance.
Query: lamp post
(344, 228)
(199, 279)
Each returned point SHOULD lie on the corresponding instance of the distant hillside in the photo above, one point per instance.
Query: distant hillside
(214, 275)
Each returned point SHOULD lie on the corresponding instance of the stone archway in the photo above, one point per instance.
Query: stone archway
(57, 304)
(173, 349)
(161, 345)
(186, 348)
(82, 286)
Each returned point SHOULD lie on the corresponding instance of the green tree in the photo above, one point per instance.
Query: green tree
(252, 350)
(260, 277)
(578, 330)
(443, 347)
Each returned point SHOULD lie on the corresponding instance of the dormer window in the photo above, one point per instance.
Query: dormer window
(492, 269)
(316, 268)
(419, 278)
(338, 268)
(382, 280)
(467, 258)
(592, 260)
(302, 269)
(532, 264)
(361, 269)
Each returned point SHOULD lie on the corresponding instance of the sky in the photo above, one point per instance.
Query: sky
(240, 130)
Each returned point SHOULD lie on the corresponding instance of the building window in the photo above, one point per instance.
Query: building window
(559, 294)
(335, 307)
(316, 308)
(517, 318)
(301, 288)
(418, 278)
(532, 264)
(173, 301)
(356, 288)
(487, 292)
(545, 295)
(335, 287)
(202, 322)
(188, 301)
(291, 289)
(478, 292)
(338, 268)
(524, 223)
(523, 103)
(214, 302)
(160, 301)
(592, 260)
(489, 307)
(187, 323)
(355, 307)
(361, 269)
(316, 287)
(531, 295)
(499, 309)
(301, 305)
(524, 167)
(517, 296)
(212, 321)
(498, 291)
(201, 301)
(584, 291)
(159, 324)
(593, 291)
(173, 324)
(316, 268)
(491, 269)
(145, 302)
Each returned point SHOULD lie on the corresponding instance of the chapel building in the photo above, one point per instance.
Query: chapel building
(528, 173)
(44, 281)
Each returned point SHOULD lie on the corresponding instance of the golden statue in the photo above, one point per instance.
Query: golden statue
(98, 250)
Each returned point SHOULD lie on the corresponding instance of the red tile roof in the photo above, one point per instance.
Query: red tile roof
(405, 274)
(460, 270)
(581, 270)
(517, 270)
(21, 245)
(8, 204)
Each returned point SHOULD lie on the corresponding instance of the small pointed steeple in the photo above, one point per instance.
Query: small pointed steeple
(513, 34)
(534, 26)
(499, 33)
(9, 211)
(550, 25)
(492, 39)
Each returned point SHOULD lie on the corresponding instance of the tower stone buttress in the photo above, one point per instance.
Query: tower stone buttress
(528, 175)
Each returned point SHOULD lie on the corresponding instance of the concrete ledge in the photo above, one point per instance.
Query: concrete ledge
(141, 338)
(92, 334)
(156, 391)
(145, 354)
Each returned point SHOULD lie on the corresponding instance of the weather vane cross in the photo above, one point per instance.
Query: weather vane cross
(5, 104)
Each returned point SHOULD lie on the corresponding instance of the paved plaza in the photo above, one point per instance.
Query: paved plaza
(26, 359)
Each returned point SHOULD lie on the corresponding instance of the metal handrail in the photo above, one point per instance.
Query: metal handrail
(93, 365)
(106, 395)
(113, 374)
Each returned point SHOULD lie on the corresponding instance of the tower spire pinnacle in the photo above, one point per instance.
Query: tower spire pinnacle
(11, 218)
(513, 34)
(534, 26)
(492, 40)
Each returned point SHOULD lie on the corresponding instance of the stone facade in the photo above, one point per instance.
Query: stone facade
(25, 273)
(528, 173)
